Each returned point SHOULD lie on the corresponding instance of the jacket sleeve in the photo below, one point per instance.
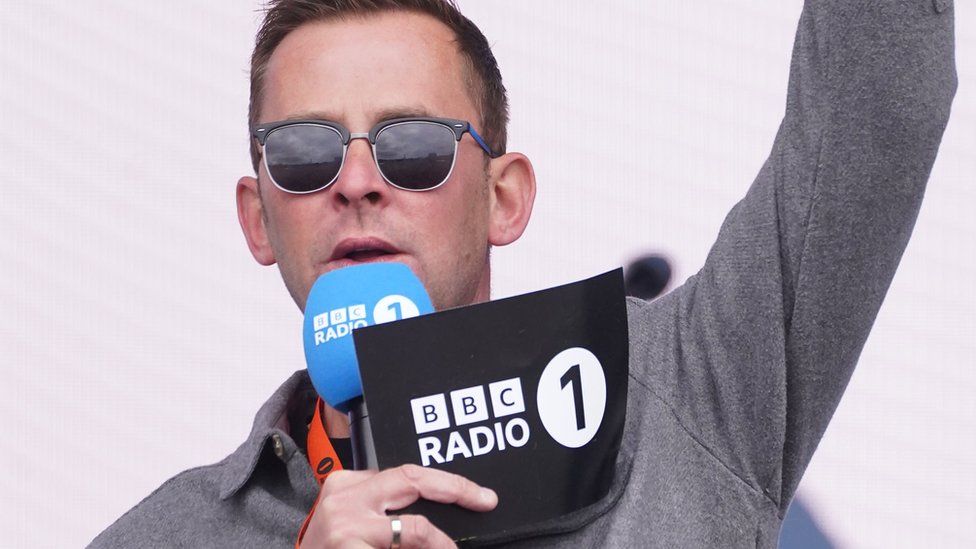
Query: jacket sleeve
(757, 348)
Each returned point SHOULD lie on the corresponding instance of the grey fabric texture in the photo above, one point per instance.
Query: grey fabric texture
(735, 374)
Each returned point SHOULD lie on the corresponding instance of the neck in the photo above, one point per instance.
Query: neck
(483, 291)
(336, 423)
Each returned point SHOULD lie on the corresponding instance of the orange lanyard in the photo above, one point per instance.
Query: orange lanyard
(321, 456)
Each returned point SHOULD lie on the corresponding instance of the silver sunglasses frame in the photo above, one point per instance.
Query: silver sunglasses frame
(457, 127)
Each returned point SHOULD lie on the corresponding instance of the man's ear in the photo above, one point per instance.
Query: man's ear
(512, 191)
(251, 216)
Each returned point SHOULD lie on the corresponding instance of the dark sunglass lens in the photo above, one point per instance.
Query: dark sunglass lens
(303, 158)
(415, 155)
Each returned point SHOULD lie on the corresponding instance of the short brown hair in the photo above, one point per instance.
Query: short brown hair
(482, 74)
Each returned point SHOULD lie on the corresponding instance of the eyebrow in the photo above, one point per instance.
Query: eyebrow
(403, 112)
(385, 114)
(311, 115)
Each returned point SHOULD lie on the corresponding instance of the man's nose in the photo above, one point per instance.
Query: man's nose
(360, 182)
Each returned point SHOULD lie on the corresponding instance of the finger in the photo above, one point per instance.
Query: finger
(340, 480)
(398, 487)
(415, 532)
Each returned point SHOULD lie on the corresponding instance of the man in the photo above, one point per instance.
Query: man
(734, 375)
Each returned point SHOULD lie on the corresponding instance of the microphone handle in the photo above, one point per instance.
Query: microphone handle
(361, 437)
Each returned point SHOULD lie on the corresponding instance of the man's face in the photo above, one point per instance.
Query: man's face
(359, 72)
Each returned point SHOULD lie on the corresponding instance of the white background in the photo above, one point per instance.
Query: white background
(138, 337)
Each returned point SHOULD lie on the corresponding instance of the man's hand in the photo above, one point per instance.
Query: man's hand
(351, 509)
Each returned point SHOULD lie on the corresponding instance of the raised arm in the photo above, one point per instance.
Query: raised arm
(754, 352)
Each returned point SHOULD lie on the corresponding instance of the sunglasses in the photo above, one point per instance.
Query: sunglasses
(413, 154)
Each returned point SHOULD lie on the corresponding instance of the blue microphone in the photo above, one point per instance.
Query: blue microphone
(339, 302)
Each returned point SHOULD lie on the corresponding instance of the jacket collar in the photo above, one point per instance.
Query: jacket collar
(237, 468)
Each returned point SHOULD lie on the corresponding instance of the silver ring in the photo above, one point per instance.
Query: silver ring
(397, 528)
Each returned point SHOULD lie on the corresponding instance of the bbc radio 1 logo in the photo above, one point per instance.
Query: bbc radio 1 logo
(470, 405)
(571, 400)
(342, 321)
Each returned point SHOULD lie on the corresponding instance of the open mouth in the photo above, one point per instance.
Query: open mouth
(361, 250)
(366, 255)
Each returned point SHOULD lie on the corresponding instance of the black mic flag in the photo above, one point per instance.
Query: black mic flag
(525, 395)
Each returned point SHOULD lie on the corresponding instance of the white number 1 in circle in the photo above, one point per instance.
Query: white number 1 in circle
(572, 397)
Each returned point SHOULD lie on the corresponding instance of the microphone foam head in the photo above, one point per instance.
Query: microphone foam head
(343, 300)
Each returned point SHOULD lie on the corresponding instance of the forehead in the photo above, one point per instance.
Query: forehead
(355, 70)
